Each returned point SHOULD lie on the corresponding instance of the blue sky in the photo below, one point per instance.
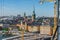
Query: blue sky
(14, 7)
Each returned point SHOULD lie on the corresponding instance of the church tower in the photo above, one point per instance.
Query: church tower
(24, 15)
(33, 15)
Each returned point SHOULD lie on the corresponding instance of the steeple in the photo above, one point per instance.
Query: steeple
(24, 15)
(33, 15)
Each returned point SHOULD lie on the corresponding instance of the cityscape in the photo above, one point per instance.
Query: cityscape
(29, 23)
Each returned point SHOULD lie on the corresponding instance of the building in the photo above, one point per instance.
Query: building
(4, 25)
(30, 26)
(34, 27)
(46, 29)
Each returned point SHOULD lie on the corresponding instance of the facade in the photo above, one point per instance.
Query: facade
(46, 30)
(29, 27)
(1, 25)
(4, 25)
(34, 28)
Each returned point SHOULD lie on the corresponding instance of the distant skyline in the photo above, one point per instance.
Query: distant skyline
(15, 7)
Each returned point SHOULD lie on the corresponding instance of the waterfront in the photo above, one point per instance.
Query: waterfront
(29, 36)
(0, 35)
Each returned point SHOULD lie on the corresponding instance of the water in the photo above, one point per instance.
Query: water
(6, 36)
(59, 32)
(0, 36)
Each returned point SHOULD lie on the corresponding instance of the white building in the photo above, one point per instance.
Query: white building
(4, 25)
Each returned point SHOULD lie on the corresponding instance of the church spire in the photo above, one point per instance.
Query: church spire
(33, 15)
(24, 14)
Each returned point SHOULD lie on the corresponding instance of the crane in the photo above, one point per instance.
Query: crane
(55, 15)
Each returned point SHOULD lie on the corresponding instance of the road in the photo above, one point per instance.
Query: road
(28, 36)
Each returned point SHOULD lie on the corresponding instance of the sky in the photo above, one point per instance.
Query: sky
(15, 7)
